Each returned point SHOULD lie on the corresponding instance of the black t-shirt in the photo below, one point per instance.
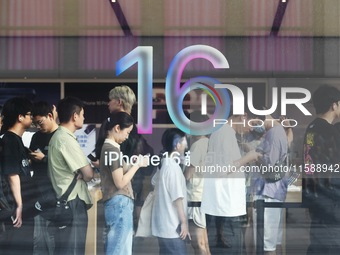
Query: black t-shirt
(40, 141)
(15, 161)
(321, 144)
(321, 150)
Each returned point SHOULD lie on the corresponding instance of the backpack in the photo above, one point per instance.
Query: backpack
(7, 205)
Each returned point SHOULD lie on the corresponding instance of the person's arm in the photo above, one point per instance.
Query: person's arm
(189, 172)
(14, 182)
(38, 156)
(183, 219)
(86, 173)
(121, 179)
(34, 152)
(290, 136)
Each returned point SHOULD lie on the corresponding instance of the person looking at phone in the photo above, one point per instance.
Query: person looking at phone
(44, 119)
(121, 99)
(116, 186)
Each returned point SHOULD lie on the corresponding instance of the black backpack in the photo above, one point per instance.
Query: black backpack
(7, 206)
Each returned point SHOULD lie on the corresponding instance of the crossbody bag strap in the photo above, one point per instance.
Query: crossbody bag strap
(69, 189)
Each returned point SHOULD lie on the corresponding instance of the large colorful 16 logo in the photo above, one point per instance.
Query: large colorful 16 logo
(174, 92)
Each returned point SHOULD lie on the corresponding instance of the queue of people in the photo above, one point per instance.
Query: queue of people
(25, 232)
(187, 200)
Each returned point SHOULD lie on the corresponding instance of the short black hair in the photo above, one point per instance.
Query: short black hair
(67, 107)
(12, 108)
(169, 137)
(42, 108)
(324, 97)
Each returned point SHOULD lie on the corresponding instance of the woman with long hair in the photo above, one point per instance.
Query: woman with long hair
(117, 191)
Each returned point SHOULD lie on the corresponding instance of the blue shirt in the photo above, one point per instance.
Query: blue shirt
(274, 146)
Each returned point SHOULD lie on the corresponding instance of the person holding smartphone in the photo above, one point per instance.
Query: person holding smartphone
(44, 119)
(116, 178)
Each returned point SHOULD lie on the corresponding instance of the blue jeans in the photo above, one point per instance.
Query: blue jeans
(172, 246)
(119, 223)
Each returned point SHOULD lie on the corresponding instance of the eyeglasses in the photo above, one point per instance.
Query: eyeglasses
(40, 122)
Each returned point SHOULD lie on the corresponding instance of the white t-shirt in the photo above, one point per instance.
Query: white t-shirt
(224, 195)
(170, 185)
(198, 152)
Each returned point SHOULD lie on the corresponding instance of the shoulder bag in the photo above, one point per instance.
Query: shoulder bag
(60, 212)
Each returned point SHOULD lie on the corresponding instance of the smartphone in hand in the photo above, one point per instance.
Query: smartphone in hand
(91, 157)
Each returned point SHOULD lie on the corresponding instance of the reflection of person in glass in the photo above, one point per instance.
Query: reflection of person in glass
(322, 189)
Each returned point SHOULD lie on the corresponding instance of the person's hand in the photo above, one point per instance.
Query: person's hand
(143, 161)
(184, 231)
(17, 222)
(37, 155)
(253, 155)
(95, 163)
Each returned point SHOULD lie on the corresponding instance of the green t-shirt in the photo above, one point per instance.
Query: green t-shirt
(65, 157)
